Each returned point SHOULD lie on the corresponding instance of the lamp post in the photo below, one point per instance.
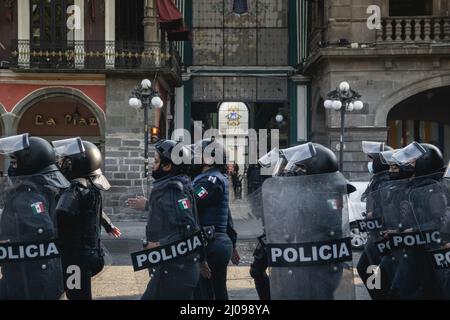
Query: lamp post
(343, 99)
(145, 97)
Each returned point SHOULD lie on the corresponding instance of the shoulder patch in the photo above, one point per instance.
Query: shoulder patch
(201, 193)
(184, 204)
(38, 207)
(212, 179)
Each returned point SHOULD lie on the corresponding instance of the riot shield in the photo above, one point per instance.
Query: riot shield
(422, 216)
(30, 264)
(307, 232)
(429, 200)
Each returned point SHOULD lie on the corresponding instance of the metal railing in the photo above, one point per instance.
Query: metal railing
(416, 29)
(94, 55)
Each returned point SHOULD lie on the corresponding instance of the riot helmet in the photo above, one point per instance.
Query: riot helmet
(37, 157)
(174, 153)
(209, 152)
(373, 151)
(313, 159)
(431, 162)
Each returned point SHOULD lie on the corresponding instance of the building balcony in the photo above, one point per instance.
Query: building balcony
(419, 31)
(97, 57)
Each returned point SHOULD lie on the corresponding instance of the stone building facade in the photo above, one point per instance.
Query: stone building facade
(400, 67)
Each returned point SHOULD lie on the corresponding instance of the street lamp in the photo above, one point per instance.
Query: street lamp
(343, 99)
(145, 97)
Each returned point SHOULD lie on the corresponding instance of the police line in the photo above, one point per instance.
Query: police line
(153, 257)
(311, 253)
(18, 252)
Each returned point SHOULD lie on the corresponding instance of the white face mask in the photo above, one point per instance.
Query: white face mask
(370, 167)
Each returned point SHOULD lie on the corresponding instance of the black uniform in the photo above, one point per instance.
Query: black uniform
(79, 218)
(370, 255)
(28, 216)
(211, 191)
(423, 209)
(172, 217)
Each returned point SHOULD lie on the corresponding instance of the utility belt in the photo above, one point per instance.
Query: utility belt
(209, 232)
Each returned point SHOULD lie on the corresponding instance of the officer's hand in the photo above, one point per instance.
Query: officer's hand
(4, 241)
(152, 245)
(369, 215)
(235, 257)
(115, 232)
(387, 233)
(447, 246)
(408, 230)
(137, 203)
(205, 271)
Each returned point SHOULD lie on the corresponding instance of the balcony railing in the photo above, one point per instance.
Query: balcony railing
(414, 30)
(94, 56)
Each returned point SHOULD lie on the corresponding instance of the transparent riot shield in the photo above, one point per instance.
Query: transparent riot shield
(30, 264)
(308, 237)
(423, 273)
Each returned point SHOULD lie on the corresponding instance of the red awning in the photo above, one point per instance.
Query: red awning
(181, 34)
(169, 16)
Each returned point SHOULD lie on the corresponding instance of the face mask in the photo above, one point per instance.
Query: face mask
(159, 173)
(406, 171)
(370, 167)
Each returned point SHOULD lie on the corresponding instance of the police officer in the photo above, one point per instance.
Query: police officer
(172, 216)
(423, 209)
(211, 192)
(80, 216)
(29, 217)
(323, 161)
(380, 179)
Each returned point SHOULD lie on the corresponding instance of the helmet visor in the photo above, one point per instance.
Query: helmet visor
(371, 147)
(297, 154)
(68, 147)
(447, 172)
(269, 159)
(386, 157)
(14, 143)
(409, 153)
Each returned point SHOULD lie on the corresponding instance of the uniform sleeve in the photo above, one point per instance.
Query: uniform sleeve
(230, 229)
(32, 217)
(69, 202)
(106, 222)
(208, 191)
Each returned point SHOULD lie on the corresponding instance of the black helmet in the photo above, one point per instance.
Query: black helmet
(213, 148)
(431, 162)
(38, 157)
(324, 161)
(85, 164)
(165, 150)
(378, 165)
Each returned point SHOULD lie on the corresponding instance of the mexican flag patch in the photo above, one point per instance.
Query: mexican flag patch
(201, 193)
(38, 208)
(333, 204)
(184, 204)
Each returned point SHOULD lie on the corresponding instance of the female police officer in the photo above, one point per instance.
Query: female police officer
(211, 192)
(172, 217)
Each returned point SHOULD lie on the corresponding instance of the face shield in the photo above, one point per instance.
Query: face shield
(447, 172)
(386, 157)
(371, 147)
(296, 155)
(13, 144)
(270, 160)
(68, 147)
(408, 154)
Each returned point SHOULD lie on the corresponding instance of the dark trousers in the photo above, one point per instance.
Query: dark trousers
(218, 255)
(258, 272)
(90, 263)
(370, 256)
(173, 282)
